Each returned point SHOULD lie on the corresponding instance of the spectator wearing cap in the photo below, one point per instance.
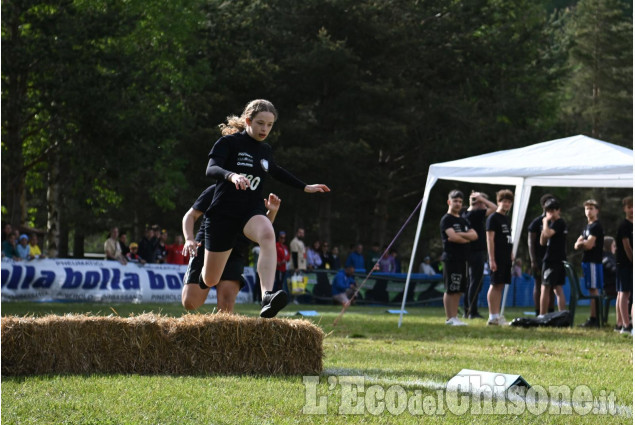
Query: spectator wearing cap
(133, 255)
(426, 267)
(283, 257)
(23, 248)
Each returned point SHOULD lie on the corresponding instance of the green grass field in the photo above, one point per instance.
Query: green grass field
(404, 371)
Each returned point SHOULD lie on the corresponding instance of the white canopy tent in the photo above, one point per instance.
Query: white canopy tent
(577, 161)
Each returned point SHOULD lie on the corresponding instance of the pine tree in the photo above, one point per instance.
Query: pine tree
(601, 79)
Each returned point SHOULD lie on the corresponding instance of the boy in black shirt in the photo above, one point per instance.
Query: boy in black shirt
(591, 241)
(554, 237)
(536, 254)
(624, 257)
(456, 235)
(480, 208)
(499, 248)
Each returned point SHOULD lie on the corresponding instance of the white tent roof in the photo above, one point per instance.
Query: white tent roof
(577, 161)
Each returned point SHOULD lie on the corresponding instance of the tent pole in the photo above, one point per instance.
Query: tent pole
(430, 181)
(521, 201)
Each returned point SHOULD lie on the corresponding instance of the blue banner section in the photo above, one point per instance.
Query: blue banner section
(520, 293)
(99, 281)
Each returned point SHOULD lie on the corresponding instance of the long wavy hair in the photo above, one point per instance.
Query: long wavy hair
(236, 124)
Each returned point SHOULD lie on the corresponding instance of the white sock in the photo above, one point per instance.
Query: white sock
(493, 316)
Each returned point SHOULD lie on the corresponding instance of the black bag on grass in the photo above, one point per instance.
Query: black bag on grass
(557, 319)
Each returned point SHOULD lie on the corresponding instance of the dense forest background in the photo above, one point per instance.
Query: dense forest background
(110, 107)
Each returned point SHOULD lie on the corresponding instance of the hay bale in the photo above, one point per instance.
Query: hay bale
(154, 344)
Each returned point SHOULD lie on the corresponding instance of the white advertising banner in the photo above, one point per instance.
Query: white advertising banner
(50, 280)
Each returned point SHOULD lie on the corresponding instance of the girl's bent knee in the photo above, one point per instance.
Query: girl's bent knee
(189, 304)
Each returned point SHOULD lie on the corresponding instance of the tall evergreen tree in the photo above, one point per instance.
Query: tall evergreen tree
(599, 98)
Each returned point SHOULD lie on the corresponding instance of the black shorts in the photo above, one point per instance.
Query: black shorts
(553, 274)
(503, 274)
(233, 269)
(455, 276)
(624, 278)
(222, 228)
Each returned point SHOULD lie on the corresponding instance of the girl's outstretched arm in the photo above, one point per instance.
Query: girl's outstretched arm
(314, 188)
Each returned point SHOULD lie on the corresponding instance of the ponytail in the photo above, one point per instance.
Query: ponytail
(234, 125)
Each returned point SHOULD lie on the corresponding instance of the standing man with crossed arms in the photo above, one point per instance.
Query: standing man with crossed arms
(456, 235)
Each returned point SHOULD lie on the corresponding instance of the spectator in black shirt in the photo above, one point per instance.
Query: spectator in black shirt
(147, 246)
(499, 248)
(536, 254)
(554, 237)
(480, 208)
(591, 241)
(456, 235)
(624, 256)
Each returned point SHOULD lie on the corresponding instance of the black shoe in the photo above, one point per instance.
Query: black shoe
(476, 315)
(617, 328)
(272, 303)
(591, 322)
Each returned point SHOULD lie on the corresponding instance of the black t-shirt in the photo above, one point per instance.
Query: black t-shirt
(202, 203)
(624, 231)
(147, 248)
(594, 255)
(536, 227)
(476, 218)
(239, 153)
(503, 244)
(453, 251)
(557, 244)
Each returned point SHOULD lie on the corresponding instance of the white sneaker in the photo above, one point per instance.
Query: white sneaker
(499, 321)
(453, 321)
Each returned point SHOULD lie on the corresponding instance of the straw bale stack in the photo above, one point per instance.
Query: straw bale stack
(154, 344)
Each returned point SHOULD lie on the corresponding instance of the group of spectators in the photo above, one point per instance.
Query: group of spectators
(295, 259)
(19, 247)
(153, 248)
(481, 235)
